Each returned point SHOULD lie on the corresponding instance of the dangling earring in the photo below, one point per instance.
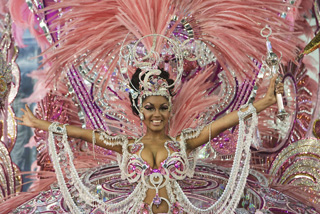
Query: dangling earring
(141, 116)
(141, 120)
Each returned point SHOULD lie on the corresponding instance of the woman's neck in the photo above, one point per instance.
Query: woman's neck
(156, 135)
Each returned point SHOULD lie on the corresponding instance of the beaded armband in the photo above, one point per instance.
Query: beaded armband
(250, 111)
(54, 127)
(112, 140)
(190, 133)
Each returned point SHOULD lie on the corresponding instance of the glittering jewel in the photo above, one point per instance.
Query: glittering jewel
(135, 148)
(157, 200)
(144, 209)
(174, 146)
(245, 200)
(153, 85)
(99, 188)
(176, 208)
(252, 208)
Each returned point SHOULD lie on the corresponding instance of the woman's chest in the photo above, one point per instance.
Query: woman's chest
(155, 157)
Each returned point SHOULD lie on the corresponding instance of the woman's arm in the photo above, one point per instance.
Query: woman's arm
(232, 118)
(28, 119)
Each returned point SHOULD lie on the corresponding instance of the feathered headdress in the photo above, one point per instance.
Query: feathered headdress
(89, 36)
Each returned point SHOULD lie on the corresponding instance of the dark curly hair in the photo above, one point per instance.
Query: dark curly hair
(135, 85)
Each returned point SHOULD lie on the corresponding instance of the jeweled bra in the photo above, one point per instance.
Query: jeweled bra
(174, 167)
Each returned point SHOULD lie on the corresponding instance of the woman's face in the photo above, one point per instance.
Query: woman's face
(156, 112)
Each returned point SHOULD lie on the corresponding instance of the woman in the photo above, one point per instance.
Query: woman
(156, 160)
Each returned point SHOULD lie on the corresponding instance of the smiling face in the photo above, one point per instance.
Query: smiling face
(156, 113)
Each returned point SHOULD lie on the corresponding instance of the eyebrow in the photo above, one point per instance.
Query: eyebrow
(148, 104)
(153, 104)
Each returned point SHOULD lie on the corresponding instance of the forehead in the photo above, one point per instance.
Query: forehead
(156, 100)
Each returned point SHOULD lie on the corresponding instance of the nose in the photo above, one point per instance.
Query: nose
(157, 112)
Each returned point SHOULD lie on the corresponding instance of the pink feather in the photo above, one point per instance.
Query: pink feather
(23, 18)
(40, 89)
(190, 102)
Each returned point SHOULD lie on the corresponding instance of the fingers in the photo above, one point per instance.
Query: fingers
(279, 88)
(27, 108)
(273, 81)
(23, 110)
(18, 118)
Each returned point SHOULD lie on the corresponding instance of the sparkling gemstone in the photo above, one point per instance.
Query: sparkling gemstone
(176, 208)
(177, 165)
(157, 200)
(99, 188)
(175, 146)
(135, 148)
(155, 171)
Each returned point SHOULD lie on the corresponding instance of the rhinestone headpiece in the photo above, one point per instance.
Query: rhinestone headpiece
(151, 85)
(148, 60)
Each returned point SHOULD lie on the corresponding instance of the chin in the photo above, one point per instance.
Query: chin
(157, 129)
(154, 128)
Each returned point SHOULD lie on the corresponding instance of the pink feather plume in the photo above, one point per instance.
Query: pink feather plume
(190, 102)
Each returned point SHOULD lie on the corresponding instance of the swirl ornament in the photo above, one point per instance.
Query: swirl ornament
(10, 179)
(298, 165)
(299, 97)
(316, 128)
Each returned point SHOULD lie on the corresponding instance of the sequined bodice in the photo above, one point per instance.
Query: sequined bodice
(173, 167)
(176, 166)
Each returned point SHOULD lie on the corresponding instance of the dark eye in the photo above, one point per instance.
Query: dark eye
(164, 108)
(148, 108)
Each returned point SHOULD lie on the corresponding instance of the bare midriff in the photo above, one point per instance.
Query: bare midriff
(163, 207)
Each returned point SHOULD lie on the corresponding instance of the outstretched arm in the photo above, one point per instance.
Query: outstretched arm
(232, 118)
(28, 119)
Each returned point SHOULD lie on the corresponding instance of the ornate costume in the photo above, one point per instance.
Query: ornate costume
(136, 170)
(214, 51)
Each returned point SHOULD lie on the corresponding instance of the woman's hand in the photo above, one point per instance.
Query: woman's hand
(273, 90)
(28, 118)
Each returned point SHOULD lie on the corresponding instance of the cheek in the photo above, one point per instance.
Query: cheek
(166, 115)
(147, 115)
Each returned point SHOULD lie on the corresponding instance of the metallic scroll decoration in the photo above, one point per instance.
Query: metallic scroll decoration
(316, 128)
(9, 83)
(298, 165)
(10, 180)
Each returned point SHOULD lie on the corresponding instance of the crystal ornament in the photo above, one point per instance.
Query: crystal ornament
(272, 64)
(156, 200)
(149, 62)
